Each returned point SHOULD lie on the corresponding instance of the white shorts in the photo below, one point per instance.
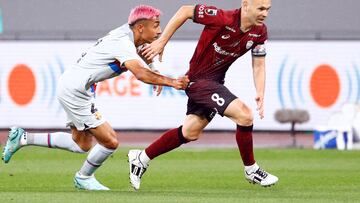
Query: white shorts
(78, 103)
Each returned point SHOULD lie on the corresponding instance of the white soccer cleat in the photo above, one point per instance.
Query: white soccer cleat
(136, 168)
(88, 183)
(261, 177)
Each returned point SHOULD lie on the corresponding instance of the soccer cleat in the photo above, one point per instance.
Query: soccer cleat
(261, 177)
(137, 169)
(88, 183)
(13, 143)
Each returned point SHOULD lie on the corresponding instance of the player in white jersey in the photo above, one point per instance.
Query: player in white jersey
(108, 58)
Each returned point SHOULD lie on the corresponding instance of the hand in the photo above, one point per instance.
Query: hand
(181, 83)
(157, 88)
(139, 52)
(260, 105)
(149, 51)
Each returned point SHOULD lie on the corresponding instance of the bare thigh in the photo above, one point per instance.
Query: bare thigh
(239, 112)
(82, 139)
(193, 126)
(105, 135)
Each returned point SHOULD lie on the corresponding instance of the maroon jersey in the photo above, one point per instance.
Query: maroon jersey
(222, 42)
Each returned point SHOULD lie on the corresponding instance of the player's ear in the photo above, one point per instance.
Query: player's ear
(245, 5)
(139, 27)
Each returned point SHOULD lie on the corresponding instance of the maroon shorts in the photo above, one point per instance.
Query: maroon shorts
(207, 97)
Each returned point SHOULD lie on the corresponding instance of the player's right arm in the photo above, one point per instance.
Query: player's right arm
(157, 47)
(147, 76)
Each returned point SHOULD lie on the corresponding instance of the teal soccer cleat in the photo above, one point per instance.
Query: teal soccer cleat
(88, 183)
(13, 143)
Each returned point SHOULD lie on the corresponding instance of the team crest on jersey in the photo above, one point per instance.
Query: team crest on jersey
(249, 44)
(211, 12)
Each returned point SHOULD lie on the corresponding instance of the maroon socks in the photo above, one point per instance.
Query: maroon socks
(170, 140)
(245, 144)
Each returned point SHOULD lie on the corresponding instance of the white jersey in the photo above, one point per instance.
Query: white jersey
(105, 59)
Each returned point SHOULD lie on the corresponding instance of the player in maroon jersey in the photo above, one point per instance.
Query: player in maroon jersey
(227, 36)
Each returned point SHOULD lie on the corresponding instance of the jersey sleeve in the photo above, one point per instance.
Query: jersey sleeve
(209, 15)
(260, 47)
(125, 50)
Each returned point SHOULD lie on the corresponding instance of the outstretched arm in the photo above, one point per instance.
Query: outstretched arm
(258, 64)
(157, 47)
(147, 76)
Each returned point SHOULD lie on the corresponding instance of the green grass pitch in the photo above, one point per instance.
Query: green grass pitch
(186, 175)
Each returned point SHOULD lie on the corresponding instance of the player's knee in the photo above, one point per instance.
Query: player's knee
(112, 143)
(84, 144)
(192, 136)
(246, 118)
(85, 148)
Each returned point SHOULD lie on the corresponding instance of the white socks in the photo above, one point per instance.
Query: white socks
(252, 168)
(144, 159)
(58, 140)
(98, 154)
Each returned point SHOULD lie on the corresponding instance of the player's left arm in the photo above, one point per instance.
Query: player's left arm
(179, 18)
(258, 64)
(150, 63)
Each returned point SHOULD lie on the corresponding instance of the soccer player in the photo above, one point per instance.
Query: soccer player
(227, 36)
(109, 57)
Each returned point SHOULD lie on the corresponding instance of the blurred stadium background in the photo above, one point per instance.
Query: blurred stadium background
(313, 64)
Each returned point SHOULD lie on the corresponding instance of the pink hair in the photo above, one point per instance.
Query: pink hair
(143, 12)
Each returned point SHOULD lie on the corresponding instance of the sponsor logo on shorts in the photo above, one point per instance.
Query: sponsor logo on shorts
(213, 113)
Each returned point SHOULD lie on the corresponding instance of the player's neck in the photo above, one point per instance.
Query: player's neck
(245, 24)
(137, 39)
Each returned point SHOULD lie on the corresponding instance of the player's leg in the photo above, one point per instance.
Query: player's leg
(107, 144)
(86, 118)
(13, 144)
(200, 110)
(242, 115)
(189, 131)
(170, 140)
(18, 137)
